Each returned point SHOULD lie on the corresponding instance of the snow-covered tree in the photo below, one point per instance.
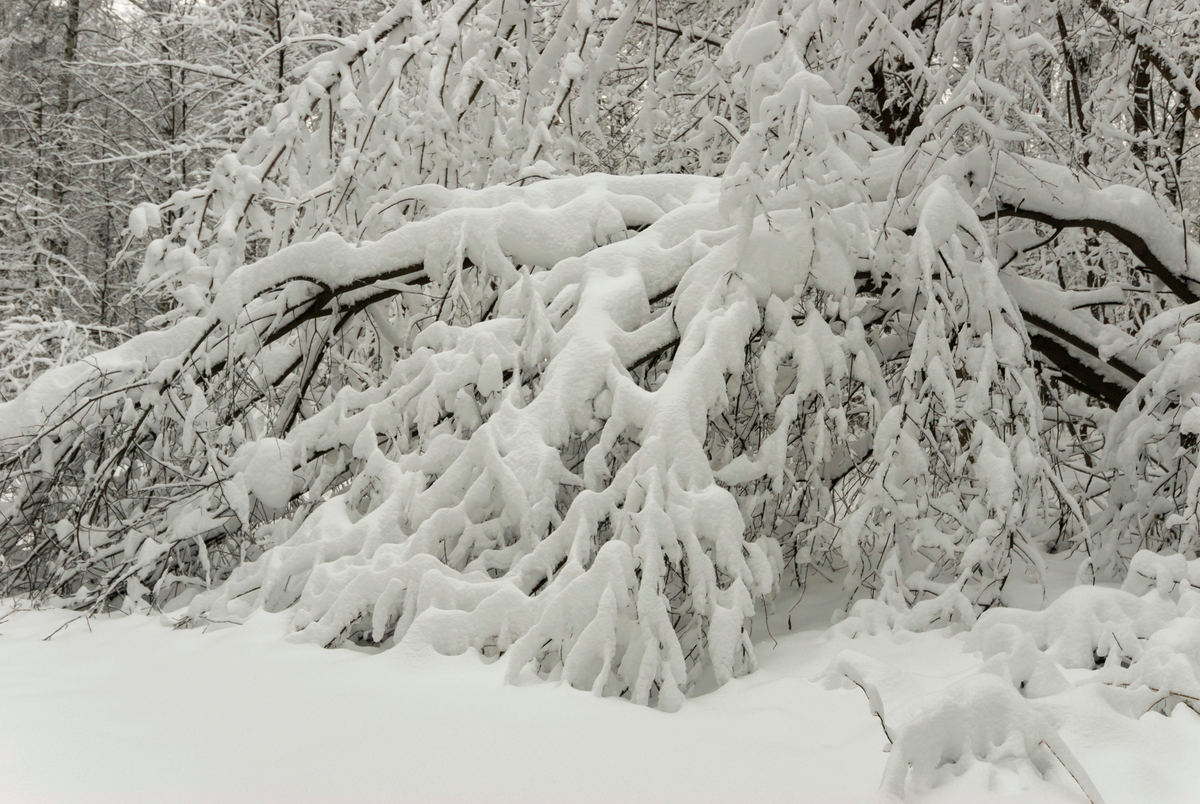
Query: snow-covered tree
(573, 332)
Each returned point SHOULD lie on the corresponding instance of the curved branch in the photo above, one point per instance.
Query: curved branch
(1188, 290)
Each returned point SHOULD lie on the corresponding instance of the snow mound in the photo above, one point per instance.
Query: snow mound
(980, 719)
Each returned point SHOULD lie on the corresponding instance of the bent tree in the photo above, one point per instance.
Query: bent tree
(575, 332)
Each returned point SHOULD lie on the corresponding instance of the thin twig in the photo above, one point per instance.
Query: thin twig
(1068, 770)
(61, 627)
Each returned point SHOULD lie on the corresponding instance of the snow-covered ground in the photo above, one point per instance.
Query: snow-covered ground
(122, 708)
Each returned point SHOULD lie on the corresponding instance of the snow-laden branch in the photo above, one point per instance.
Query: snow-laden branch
(1101, 360)
(1051, 194)
(1146, 41)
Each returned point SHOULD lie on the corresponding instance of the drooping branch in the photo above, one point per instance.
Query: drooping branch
(1099, 358)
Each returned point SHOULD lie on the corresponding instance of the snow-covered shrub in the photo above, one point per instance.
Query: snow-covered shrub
(427, 380)
(890, 609)
(1170, 574)
(1144, 639)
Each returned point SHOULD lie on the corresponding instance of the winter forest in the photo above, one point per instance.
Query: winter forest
(822, 376)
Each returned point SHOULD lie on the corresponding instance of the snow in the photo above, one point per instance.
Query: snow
(754, 45)
(240, 715)
(121, 708)
(478, 537)
(268, 470)
(1059, 193)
